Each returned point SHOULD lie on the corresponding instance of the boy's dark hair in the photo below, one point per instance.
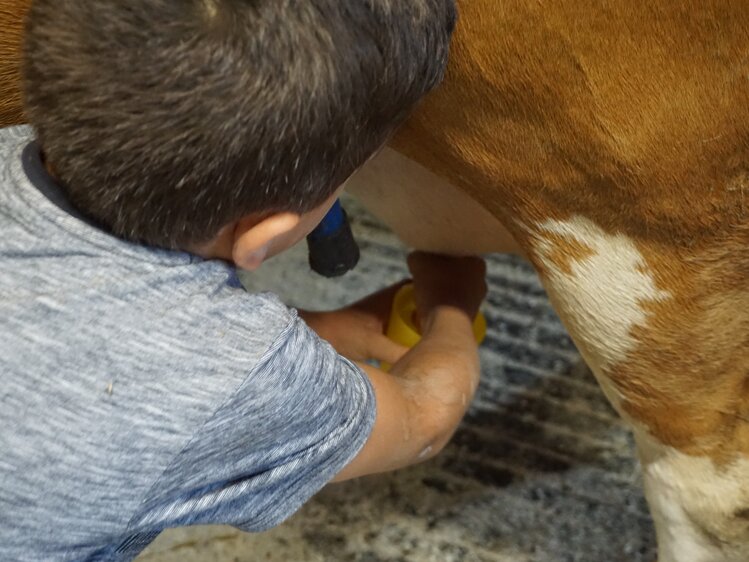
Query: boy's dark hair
(168, 119)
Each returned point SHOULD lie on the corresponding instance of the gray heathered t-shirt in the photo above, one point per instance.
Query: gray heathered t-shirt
(142, 389)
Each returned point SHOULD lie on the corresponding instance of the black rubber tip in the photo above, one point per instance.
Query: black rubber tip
(334, 254)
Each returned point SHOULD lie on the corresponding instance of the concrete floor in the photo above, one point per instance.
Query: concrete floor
(541, 470)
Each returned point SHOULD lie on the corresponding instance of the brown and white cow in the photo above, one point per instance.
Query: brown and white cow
(609, 143)
(612, 140)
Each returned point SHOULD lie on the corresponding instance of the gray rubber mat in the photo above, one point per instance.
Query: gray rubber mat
(541, 470)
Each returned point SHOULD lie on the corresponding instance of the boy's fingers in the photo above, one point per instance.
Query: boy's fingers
(386, 350)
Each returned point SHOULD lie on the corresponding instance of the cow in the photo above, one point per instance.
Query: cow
(608, 142)
(12, 14)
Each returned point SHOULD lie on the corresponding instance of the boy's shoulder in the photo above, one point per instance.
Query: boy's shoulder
(113, 288)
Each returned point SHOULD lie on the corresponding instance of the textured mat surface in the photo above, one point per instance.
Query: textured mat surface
(541, 470)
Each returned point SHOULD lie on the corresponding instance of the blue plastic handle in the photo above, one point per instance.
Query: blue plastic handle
(330, 223)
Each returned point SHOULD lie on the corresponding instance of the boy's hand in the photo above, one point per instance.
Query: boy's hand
(442, 281)
(357, 331)
(422, 399)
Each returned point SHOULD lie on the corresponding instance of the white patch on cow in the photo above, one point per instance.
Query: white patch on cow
(601, 297)
(694, 504)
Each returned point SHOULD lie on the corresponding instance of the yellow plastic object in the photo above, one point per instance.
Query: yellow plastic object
(402, 327)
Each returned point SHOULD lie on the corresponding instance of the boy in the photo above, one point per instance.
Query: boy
(142, 387)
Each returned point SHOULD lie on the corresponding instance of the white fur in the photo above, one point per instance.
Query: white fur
(693, 503)
(601, 299)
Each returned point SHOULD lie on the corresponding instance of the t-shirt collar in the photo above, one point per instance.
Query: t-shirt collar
(33, 167)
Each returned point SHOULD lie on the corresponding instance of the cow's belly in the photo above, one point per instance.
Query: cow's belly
(426, 211)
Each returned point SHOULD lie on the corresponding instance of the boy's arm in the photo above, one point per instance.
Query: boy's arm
(422, 400)
(357, 331)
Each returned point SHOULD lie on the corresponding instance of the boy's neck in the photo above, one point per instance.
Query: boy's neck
(219, 248)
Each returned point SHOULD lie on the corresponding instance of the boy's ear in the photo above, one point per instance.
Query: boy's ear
(254, 240)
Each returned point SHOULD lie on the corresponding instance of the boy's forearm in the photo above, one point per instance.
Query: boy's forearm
(421, 401)
(447, 340)
(426, 393)
(441, 373)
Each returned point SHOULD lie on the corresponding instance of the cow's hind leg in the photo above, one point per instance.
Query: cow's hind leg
(666, 331)
(700, 506)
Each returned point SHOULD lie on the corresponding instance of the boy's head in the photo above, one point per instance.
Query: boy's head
(171, 121)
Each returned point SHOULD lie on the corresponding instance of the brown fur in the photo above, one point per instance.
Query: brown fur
(12, 13)
(635, 116)
(564, 252)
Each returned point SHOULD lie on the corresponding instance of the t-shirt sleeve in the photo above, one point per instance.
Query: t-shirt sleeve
(299, 417)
